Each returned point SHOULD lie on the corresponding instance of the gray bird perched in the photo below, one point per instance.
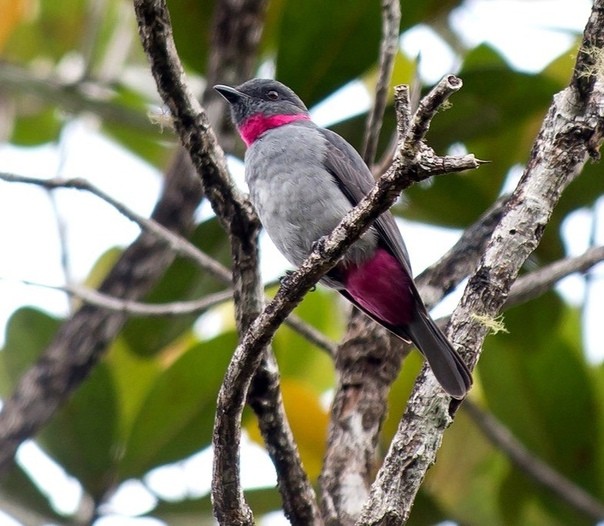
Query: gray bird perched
(303, 179)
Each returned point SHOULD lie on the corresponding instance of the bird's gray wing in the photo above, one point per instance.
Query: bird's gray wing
(355, 180)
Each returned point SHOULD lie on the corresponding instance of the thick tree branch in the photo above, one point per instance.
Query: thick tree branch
(239, 220)
(368, 361)
(571, 133)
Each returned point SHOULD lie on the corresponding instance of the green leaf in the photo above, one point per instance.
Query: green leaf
(184, 280)
(28, 333)
(325, 45)
(177, 416)
(133, 375)
(527, 376)
(28, 504)
(82, 435)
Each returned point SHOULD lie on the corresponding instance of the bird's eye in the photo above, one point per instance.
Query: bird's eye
(272, 95)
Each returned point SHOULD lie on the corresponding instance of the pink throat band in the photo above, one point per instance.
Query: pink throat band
(256, 125)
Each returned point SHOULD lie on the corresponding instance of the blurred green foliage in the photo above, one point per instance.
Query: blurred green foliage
(151, 400)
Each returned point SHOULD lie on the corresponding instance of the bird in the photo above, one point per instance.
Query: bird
(302, 180)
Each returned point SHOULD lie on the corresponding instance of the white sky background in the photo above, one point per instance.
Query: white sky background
(32, 249)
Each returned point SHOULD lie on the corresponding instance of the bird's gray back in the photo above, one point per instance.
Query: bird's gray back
(297, 200)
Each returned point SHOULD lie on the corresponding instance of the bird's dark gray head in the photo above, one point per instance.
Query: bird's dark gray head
(260, 105)
(261, 96)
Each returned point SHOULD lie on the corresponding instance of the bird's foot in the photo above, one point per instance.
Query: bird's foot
(284, 280)
(319, 246)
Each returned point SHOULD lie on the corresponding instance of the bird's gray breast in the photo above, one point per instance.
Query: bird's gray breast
(297, 199)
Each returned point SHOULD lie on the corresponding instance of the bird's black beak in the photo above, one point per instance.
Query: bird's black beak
(231, 95)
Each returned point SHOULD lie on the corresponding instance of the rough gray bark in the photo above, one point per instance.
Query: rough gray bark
(368, 361)
(241, 224)
(571, 133)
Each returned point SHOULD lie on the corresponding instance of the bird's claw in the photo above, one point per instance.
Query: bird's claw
(319, 246)
(283, 280)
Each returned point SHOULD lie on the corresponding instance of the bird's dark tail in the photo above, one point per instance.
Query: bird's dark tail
(448, 367)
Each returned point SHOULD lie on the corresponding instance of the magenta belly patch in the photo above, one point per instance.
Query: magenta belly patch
(381, 286)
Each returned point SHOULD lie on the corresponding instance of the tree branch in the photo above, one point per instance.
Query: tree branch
(239, 220)
(531, 465)
(571, 133)
(538, 282)
(391, 20)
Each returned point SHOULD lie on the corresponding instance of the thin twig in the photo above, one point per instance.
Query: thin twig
(174, 242)
(563, 488)
(538, 282)
(391, 19)
(428, 106)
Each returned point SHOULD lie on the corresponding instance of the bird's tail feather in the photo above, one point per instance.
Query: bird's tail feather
(447, 366)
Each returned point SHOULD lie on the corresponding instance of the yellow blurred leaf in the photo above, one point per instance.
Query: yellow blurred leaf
(13, 12)
(308, 421)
